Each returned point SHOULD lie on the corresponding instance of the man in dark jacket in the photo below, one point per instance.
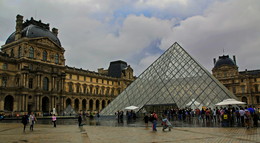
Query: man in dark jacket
(24, 121)
(79, 120)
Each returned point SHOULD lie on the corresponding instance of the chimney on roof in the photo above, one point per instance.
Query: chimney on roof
(18, 27)
(214, 60)
(234, 59)
(55, 31)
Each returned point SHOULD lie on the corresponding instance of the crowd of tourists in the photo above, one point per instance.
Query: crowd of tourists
(230, 116)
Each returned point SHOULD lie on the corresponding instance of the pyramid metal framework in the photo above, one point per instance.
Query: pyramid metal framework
(174, 78)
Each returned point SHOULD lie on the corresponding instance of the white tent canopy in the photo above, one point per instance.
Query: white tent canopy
(230, 102)
(131, 107)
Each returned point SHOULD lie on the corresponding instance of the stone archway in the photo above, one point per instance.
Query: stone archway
(68, 102)
(91, 105)
(76, 104)
(103, 104)
(244, 99)
(45, 105)
(9, 103)
(97, 105)
(84, 104)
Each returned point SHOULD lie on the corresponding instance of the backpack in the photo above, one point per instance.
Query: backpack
(225, 116)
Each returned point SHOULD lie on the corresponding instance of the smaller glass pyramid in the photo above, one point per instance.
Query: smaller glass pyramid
(174, 78)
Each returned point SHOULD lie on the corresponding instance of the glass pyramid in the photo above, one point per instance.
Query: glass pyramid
(174, 78)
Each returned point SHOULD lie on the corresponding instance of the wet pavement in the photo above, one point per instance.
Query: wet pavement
(46, 133)
(111, 121)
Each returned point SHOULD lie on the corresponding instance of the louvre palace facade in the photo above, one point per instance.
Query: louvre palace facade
(34, 77)
(243, 84)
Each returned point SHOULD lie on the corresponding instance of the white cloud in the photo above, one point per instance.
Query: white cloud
(231, 25)
(94, 33)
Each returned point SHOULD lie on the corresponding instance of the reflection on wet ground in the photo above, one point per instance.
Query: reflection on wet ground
(112, 121)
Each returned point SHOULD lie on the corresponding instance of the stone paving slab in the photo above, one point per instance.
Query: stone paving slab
(12, 133)
(145, 135)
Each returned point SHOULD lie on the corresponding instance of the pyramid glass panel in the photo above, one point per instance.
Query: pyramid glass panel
(174, 78)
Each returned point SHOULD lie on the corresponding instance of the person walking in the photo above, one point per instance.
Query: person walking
(54, 118)
(32, 120)
(146, 119)
(155, 118)
(79, 120)
(24, 121)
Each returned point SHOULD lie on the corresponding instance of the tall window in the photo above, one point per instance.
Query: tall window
(56, 59)
(256, 88)
(4, 81)
(257, 99)
(31, 52)
(5, 66)
(70, 87)
(234, 89)
(46, 84)
(19, 51)
(44, 56)
(243, 88)
(78, 88)
(12, 53)
(84, 88)
(30, 83)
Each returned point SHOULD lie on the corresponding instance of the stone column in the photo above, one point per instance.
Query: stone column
(16, 101)
(26, 103)
(26, 81)
(51, 102)
(94, 105)
(80, 104)
(100, 105)
(22, 102)
(72, 104)
(87, 106)
(40, 103)
(2, 103)
(62, 105)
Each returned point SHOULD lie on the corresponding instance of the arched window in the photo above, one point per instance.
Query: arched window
(30, 83)
(31, 52)
(97, 105)
(84, 104)
(46, 84)
(56, 59)
(76, 104)
(103, 104)
(91, 104)
(44, 56)
(68, 102)
(19, 51)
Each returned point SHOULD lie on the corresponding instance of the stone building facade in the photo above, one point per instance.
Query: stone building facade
(34, 77)
(243, 84)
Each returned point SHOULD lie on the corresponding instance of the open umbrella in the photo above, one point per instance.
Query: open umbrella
(230, 102)
(131, 107)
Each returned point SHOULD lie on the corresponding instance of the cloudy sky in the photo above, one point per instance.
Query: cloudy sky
(95, 32)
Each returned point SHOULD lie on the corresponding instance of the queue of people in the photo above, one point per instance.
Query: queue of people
(239, 116)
